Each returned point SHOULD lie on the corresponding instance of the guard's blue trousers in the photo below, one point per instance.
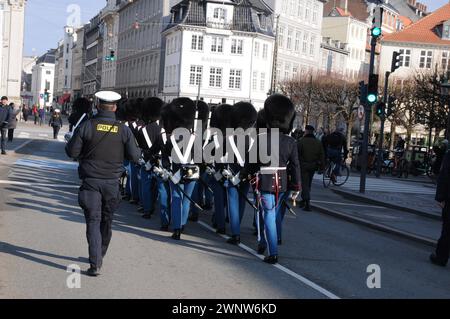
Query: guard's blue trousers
(236, 205)
(268, 211)
(145, 195)
(281, 212)
(163, 195)
(219, 203)
(127, 165)
(134, 182)
(180, 205)
(202, 194)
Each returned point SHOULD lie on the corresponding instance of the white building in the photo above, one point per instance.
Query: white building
(43, 78)
(224, 48)
(353, 32)
(63, 71)
(110, 17)
(139, 61)
(77, 64)
(425, 45)
(334, 58)
(298, 36)
(12, 18)
(27, 71)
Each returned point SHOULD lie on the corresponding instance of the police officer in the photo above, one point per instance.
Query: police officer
(101, 145)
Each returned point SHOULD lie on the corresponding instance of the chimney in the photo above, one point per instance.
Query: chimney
(344, 5)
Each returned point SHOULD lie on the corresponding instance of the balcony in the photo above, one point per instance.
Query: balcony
(218, 24)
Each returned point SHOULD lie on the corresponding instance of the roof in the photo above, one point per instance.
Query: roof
(342, 12)
(424, 30)
(405, 21)
(405, 9)
(48, 57)
(356, 8)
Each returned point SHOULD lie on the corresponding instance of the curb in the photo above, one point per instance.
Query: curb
(366, 200)
(387, 229)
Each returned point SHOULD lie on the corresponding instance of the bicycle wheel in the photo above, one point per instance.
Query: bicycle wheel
(343, 176)
(327, 176)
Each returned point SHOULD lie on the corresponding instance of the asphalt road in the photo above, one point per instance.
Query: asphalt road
(42, 232)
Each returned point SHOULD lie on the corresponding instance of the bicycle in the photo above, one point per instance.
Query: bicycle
(338, 180)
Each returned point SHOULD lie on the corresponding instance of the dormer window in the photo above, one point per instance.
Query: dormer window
(220, 13)
(446, 30)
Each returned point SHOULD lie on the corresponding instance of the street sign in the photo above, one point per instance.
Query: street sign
(361, 112)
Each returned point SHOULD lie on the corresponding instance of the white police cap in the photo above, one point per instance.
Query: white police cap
(108, 96)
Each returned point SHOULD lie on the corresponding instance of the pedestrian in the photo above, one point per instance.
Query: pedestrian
(35, 113)
(25, 112)
(312, 158)
(4, 118)
(41, 116)
(441, 255)
(101, 146)
(56, 122)
(12, 124)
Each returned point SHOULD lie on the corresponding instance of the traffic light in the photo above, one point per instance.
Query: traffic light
(362, 92)
(111, 56)
(376, 31)
(391, 106)
(395, 61)
(379, 109)
(372, 94)
(46, 95)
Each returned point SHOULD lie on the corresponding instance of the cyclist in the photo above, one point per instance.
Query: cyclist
(334, 144)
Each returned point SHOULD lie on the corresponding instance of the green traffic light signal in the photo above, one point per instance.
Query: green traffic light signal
(376, 31)
(372, 98)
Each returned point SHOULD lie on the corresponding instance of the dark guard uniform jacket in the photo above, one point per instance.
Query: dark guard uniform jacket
(102, 159)
(150, 141)
(443, 189)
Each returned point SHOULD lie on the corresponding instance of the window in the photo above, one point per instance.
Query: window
(220, 13)
(289, 40)
(263, 82)
(284, 6)
(217, 44)
(305, 43)
(265, 51)
(235, 79)
(215, 77)
(65, 81)
(308, 11)
(426, 58)
(281, 37)
(315, 14)
(195, 75)
(287, 70)
(256, 49)
(48, 72)
(312, 46)
(255, 81)
(197, 43)
(237, 46)
(300, 9)
(445, 60)
(446, 32)
(405, 58)
(298, 36)
(67, 64)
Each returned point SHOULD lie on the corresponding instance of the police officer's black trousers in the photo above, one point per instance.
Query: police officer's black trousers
(3, 133)
(307, 176)
(443, 246)
(99, 199)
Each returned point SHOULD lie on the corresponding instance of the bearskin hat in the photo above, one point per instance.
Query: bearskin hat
(121, 110)
(221, 117)
(203, 113)
(134, 109)
(244, 115)
(151, 109)
(261, 120)
(280, 113)
(180, 113)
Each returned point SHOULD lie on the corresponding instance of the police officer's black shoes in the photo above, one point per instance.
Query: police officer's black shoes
(234, 240)
(271, 259)
(93, 272)
(3, 153)
(176, 234)
(261, 249)
(307, 207)
(147, 216)
(221, 231)
(434, 259)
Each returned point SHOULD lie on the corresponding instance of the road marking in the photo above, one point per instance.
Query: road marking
(22, 145)
(14, 183)
(287, 271)
(46, 164)
(347, 204)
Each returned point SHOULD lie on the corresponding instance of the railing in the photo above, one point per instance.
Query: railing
(218, 25)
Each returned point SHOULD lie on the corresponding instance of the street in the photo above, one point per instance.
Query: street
(42, 232)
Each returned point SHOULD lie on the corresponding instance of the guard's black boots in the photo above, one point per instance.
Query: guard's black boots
(3, 153)
(176, 234)
(434, 259)
(134, 201)
(140, 209)
(261, 249)
(302, 204)
(307, 207)
(93, 272)
(221, 231)
(280, 242)
(234, 240)
(271, 259)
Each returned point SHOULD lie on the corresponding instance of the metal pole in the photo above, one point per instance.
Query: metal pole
(368, 111)
(383, 120)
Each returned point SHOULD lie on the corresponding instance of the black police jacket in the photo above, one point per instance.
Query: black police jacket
(101, 145)
(283, 177)
(443, 189)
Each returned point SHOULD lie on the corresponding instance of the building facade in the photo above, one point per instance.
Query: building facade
(220, 51)
(93, 50)
(298, 26)
(12, 19)
(43, 78)
(139, 72)
(335, 56)
(27, 74)
(77, 64)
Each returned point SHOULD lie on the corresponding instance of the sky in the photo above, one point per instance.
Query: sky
(45, 19)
